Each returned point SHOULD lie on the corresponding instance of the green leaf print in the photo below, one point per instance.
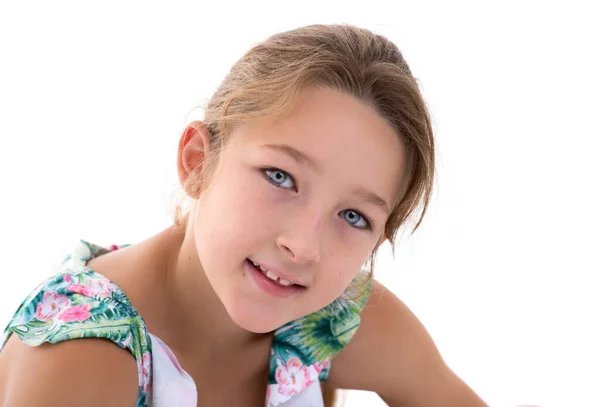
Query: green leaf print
(141, 401)
(319, 336)
(117, 331)
(33, 333)
(26, 311)
(102, 309)
(80, 303)
(120, 297)
(140, 340)
(323, 333)
(316, 336)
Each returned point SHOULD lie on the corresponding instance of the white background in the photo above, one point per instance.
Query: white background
(503, 272)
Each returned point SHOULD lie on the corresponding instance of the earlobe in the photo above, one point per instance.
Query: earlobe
(194, 146)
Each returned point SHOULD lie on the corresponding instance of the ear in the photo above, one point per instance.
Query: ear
(193, 148)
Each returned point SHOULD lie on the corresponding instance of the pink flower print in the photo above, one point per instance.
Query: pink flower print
(76, 313)
(322, 365)
(68, 278)
(144, 366)
(293, 377)
(80, 289)
(101, 287)
(52, 304)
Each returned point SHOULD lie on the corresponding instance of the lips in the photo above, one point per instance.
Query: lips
(274, 276)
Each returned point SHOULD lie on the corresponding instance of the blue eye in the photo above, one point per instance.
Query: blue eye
(280, 178)
(354, 218)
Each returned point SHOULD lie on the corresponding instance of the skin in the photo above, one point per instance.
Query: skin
(297, 227)
(317, 222)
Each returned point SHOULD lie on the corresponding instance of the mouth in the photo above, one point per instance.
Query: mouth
(270, 282)
(272, 276)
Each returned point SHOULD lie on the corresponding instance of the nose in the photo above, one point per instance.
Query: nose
(303, 239)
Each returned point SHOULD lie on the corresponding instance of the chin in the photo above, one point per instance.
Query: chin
(255, 319)
(256, 327)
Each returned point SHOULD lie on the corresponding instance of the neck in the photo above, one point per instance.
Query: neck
(186, 313)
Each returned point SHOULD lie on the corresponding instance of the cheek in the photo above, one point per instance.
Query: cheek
(342, 279)
(246, 207)
(349, 241)
(236, 209)
(332, 285)
(349, 252)
(351, 247)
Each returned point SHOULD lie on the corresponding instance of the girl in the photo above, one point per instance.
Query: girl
(314, 150)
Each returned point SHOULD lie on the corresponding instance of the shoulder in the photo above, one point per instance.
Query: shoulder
(389, 333)
(393, 355)
(84, 372)
(52, 323)
(78, 304)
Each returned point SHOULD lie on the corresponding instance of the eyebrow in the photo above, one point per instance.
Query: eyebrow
(372, 198)
(296, 155)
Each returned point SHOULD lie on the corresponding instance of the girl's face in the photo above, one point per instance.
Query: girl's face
(302, 200)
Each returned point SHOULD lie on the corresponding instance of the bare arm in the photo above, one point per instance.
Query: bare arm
(393, 355)
(82, 372)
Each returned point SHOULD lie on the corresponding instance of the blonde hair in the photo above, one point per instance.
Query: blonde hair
(268, 78)
(266, 82)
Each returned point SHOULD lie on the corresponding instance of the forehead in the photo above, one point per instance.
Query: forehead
(343, 135)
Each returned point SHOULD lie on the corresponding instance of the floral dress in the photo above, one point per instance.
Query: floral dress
(77, 302)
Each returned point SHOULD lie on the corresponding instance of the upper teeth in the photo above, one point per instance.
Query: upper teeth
(272, 276)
